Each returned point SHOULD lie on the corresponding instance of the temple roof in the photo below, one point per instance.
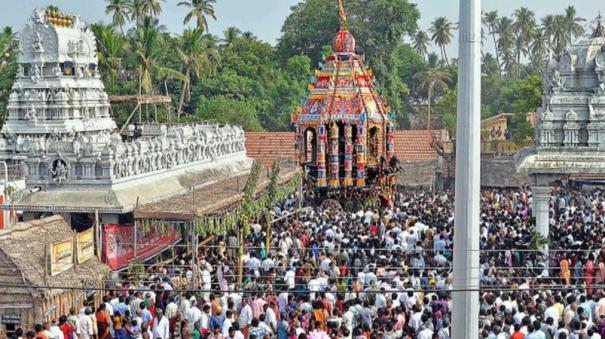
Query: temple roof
(411, 146)
(343, 88)
(52, 36)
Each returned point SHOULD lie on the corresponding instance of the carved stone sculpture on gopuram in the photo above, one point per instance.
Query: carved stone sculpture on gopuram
(573, 105)
(60, 128)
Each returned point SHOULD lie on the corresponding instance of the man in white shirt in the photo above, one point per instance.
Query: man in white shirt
(227, 323)
(270, 317)
(426, 333)
(161, 327)
(85, 330)
(245, 315)
(56, 331)
(416, 319)
(552, 312)
(290, 278)
(193, 315)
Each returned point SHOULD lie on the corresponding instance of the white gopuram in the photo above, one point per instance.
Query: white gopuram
(570, 129)
(465, 297)
(60, 129)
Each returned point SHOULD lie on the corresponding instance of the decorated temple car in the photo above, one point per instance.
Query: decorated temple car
(344, 133)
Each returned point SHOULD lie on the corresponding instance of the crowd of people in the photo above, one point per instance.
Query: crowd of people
(369, 273)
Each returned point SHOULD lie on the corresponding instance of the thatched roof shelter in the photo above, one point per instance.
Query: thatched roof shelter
(140, 99)
(25, 277)
(217, 197)
(25, 247)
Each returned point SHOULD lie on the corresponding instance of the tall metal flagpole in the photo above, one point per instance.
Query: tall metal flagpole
(465, 312)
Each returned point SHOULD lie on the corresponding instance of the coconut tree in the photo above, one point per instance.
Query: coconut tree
(560, 37)
(199, 55)
(525, 27)
(147, 53)
(441, 30)
(490, 20)
(200, 9)
(152, 7)
(538, 48)
(506, 42)
(430, 81)
(230, 35)
(248, 35)
(136, 10)
(572, 24)
(548, 26)
(118, 9)
(110, 46)
(421, 42)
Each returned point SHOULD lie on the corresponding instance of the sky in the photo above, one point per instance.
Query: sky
(264, 18)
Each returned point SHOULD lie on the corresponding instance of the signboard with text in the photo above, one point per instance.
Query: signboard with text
(61, 256)
(11, 319)
(85, 247)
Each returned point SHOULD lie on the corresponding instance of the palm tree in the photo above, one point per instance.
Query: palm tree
(490, 19)
(525, 27)
(538, 48)
(572, 24)
(421, 43)
(560, 37)
(548, 25)
(431, 80)
(506, 42)
(152, 7)
(136, 9)
(441, 30)
(110, 46)
(489, 65)
(200, 9)
(119, 12)
(199, 55)
(248, 35)
(147, 53)
(230, 35)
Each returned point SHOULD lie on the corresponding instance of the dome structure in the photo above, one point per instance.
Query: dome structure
(344, 132)
(573, 105)
(343, 42)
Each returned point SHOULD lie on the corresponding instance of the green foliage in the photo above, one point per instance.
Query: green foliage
(228, 111)
(379, 27)
(447, 108)
(136, 271)
(241, 216)
(272, 190)
(251, 75)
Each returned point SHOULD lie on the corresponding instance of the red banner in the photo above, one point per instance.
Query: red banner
(119, 243)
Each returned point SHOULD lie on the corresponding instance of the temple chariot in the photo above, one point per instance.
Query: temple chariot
(344, 130)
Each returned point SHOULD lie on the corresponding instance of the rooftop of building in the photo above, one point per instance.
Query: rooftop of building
(26, 245)
(410, 145)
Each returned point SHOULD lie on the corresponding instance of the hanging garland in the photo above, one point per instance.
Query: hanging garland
(226, 221)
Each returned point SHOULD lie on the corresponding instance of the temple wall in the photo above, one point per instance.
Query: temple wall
(501, 172)
(418, 173)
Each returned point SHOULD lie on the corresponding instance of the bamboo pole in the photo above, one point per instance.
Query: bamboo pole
(98, 233)
(268, 233)
(240, 269)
